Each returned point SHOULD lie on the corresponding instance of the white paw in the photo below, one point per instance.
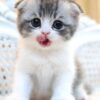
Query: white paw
(81, 97)
(70, 97)
(13, 97)
(81, 94)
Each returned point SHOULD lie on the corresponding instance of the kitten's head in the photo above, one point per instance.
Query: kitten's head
(47, 23)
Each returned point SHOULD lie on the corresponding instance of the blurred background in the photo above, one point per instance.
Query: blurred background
(91, 8)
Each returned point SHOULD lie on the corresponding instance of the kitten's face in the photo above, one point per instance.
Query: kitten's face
(47, 23)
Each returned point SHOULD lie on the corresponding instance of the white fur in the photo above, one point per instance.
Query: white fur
(43, 73)
(53, 69)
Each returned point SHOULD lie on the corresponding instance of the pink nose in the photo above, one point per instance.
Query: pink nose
(45, 33)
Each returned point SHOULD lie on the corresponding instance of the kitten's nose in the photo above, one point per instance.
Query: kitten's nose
(46, 33)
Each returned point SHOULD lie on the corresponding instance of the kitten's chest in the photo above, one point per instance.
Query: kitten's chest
(43, 76)
(46, 71)
(48, 66)
(43, 63)
(50, 62)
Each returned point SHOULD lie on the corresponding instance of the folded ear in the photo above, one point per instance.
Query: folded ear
(19, 4)
(75, 9)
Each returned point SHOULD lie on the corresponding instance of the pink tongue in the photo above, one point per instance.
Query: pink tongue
(44, 41)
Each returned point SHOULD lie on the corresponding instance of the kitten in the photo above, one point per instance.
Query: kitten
(45, 69)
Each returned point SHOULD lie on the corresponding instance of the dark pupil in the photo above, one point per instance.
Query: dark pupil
(36, 22)
(58, 24)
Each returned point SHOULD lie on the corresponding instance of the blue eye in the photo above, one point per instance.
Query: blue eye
(36, 22)
(58, 24)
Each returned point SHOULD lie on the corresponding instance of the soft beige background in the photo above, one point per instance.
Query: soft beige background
(91, 8)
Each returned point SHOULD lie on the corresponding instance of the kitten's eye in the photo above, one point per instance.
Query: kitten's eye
(58, 24)
(36, 22)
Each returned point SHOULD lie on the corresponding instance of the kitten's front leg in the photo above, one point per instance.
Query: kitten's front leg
(63, 85)
(22, 87)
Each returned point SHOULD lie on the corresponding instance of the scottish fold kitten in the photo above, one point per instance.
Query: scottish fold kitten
(45, 68)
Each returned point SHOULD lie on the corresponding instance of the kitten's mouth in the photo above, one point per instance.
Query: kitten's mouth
(44, 41)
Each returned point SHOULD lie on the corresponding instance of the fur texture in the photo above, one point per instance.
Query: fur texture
(45, 71)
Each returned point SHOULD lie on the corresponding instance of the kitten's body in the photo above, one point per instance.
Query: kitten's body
(45, 78)
(45, 68)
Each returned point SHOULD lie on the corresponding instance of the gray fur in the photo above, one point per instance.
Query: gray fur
(48, 7)
(51, 9)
